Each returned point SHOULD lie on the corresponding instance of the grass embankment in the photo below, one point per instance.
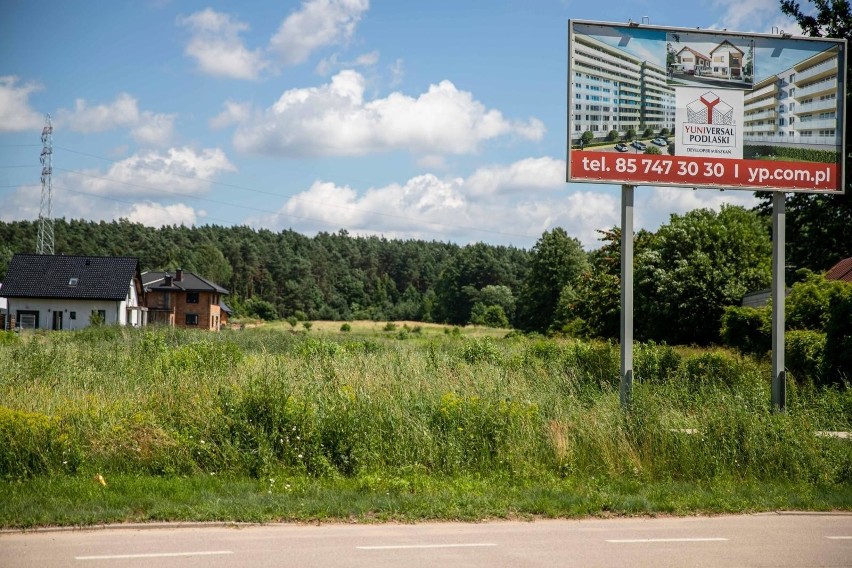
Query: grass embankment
(264, 424)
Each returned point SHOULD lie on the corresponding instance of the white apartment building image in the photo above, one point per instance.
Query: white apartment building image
(797, 107)
(614, 90)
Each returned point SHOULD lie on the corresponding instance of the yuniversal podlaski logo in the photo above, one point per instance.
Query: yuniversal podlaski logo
(709, 122)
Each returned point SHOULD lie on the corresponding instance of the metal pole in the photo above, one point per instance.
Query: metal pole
(779, 290)
(626, 295)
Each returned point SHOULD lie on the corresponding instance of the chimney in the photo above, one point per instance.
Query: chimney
(168, 279)
(179, 275)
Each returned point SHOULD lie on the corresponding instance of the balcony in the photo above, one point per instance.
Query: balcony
(762, 115)
(607, 66)
(754, 128)
(816, 124)
(823, 69)
(766, 91)
(819, 88)
(827, 104)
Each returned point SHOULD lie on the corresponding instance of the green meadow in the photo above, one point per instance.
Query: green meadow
(398, 421)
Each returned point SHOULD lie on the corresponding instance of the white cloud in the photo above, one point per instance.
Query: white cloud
(752, 16)
(520, 177)
(216, 46)
(148, 128)
(332, 63)
(15, 111)
(179, 171)
(397, 71)
(122, 112)
(154, 129)
(334, 119)
(655, 205)
(317, 24)
(513, 204)
(74, 203)
(233, 113)
(154, 214)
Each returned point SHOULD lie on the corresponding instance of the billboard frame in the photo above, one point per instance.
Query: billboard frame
(757, 173)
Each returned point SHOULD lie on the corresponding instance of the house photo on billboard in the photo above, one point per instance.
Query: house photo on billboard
(702, 59)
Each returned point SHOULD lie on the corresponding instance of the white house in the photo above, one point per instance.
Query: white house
(70, 292)
(727, 61)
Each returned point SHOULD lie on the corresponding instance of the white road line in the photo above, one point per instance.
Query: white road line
(839, 537)
(635, 540)
(154, 555)
(413, 546)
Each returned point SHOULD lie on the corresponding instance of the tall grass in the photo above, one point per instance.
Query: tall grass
(263, 402)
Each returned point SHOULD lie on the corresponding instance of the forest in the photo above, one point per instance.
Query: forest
(686, 273)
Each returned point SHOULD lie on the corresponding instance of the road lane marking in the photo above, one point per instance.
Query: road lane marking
(637, 540)
(414, 546)
(154, 555)
(839, 537)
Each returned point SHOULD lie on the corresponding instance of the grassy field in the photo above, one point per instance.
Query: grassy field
(404, 421)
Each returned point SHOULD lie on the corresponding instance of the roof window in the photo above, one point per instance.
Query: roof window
(73, 281)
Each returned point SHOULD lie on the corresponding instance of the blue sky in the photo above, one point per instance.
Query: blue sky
(439, 120)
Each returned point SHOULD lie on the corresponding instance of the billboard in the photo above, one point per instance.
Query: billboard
(683, 107)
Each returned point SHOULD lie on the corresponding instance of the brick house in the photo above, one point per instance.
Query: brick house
(66, 292)
(183, 299)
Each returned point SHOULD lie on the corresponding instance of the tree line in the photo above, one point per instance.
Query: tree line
(686, 273)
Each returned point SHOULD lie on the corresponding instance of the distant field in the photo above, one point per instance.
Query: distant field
(416, 422)
(360, 327)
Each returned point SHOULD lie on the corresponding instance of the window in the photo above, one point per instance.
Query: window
(27, 319)
(73, 315)
(192, 297)
(73, 281)
(191, 319)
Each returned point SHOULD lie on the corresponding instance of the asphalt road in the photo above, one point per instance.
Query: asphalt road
(776, 540)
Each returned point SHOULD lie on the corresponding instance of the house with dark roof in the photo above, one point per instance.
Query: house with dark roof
(71, 292)
(183, 299)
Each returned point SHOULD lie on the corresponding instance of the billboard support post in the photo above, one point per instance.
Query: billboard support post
(626, 390)
(779, 290)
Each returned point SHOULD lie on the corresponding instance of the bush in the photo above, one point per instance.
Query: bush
(255, 307)
(612, 136)
(30, 444)
(804, 355)
(346, 328)
(653, 150)
(747, 330)
(838, 336)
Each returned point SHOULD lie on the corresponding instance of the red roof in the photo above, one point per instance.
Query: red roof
(841, 271)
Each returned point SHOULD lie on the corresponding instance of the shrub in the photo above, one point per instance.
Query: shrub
(389, 326)
(838, 336)
(346, 328)
(804, 354)
(30, 444)
(653, 150)
(255, 307)
(612, 136)
(747, 329)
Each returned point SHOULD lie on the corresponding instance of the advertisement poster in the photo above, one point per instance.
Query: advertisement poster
(664, 106)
